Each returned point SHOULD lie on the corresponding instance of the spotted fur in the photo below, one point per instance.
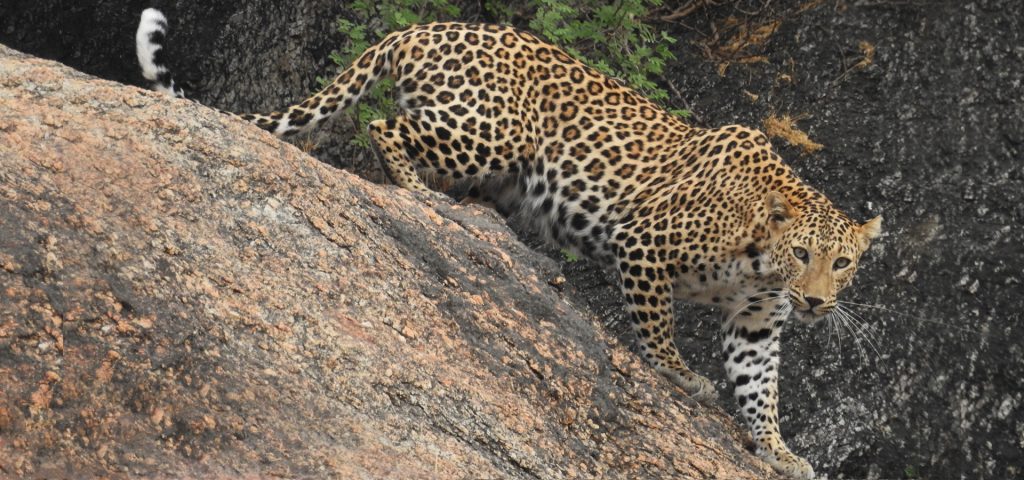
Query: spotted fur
(707, 215)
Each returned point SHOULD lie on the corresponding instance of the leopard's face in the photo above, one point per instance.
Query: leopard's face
(816, 252)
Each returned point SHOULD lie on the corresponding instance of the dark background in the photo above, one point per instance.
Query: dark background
(929, 135)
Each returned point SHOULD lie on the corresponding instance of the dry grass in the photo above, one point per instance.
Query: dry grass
(869, 55)
(784, 127)
(735, 40)
(748, 36)
(809, 5)
(867, 50)
(739, 38)
(307, 144)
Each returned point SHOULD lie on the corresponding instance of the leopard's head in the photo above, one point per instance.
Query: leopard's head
(815, 250)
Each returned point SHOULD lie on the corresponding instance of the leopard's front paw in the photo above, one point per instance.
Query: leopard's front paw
(698, 387)
(788, 464)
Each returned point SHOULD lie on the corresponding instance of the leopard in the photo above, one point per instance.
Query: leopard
(706, 215)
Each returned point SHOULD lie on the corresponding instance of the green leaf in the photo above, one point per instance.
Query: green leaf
(357, 33)
(362, 6)
(569, 256)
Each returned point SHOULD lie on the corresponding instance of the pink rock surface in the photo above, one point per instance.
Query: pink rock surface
(182, 295)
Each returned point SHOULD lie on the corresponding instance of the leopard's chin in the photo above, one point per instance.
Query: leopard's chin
(807, 317)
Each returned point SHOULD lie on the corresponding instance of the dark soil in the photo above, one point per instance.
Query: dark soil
(929, 134)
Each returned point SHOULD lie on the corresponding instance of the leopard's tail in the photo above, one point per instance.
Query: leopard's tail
(149, 47)
(344, 91)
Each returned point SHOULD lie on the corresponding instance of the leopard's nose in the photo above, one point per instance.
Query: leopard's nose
(813, 302)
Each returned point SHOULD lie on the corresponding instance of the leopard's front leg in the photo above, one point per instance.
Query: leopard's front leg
(647, 287)
(750, 345)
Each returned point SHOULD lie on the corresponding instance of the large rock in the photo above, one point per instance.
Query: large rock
(182, 294)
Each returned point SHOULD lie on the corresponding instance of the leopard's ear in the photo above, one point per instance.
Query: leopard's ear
(779, 209)
(870, 230)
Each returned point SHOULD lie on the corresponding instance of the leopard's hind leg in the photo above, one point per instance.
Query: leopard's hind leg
(393, 141)
(423, 143)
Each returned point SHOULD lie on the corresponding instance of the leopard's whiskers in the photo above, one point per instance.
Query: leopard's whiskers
(913, 317)
(857, 333)
(863, 327)
(834, 325)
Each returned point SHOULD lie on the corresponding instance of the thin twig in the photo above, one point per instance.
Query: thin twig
(675, 91)
(687, 9)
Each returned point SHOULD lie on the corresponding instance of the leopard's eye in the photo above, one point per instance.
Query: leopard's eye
(800, 253)
(841, 263)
